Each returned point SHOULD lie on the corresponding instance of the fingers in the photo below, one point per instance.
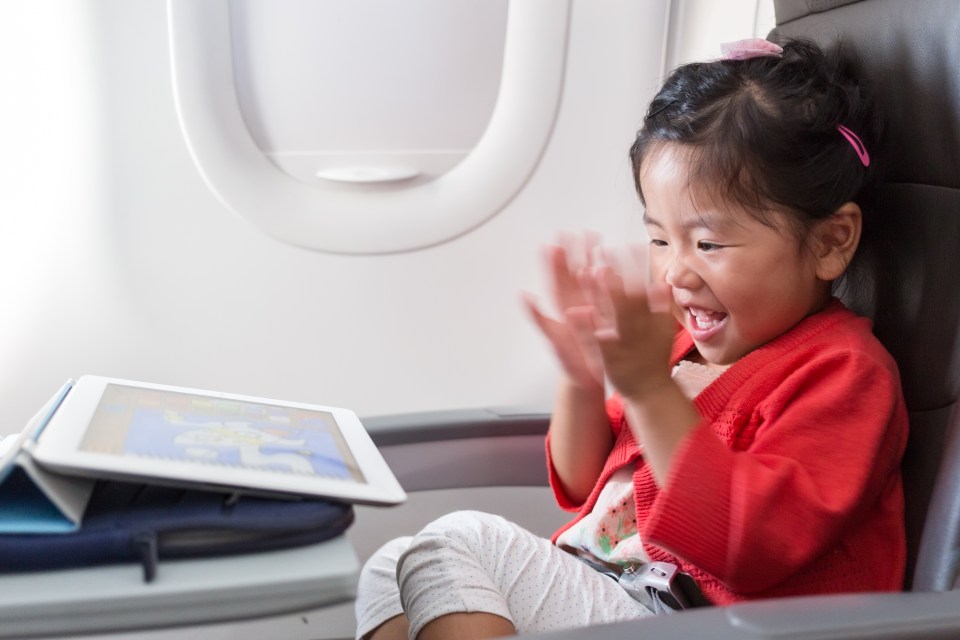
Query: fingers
(633, 340)
(631, 264)
(579, 247)
(604, 302)
(582, 323)
(597, 283)
(572, 341)
(624, 307)
(579, 268)
(657, 291)
(542, 321)
(566, 261)
(618, 311)
(612, 324)
(563, 279)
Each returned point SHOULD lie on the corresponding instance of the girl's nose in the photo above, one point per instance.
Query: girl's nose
(679, 275)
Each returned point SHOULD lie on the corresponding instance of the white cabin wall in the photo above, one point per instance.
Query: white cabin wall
(117, 260)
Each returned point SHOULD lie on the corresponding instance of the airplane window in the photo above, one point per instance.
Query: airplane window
(260, 85)
(323, 101)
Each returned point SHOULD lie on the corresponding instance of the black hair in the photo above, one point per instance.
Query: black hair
(763, 133)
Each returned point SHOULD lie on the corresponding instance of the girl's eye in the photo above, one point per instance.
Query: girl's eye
(707, 247)
(658, 243)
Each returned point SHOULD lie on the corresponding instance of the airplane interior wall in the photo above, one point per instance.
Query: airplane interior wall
(117, 259)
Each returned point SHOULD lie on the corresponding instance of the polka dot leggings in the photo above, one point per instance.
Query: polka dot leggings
(469, 561)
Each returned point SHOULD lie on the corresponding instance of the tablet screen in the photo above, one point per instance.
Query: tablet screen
(156, 424)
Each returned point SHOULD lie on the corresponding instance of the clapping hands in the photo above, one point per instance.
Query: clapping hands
(612, 323)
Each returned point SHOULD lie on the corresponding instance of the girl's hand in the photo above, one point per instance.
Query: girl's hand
(632, 325)
(634, 332)
(571, 334)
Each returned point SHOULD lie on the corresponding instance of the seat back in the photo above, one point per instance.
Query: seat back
(910, 51)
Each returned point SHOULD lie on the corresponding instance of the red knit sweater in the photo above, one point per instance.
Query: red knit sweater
(791, 483)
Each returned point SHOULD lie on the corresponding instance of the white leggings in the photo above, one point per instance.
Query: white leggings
(470, 561)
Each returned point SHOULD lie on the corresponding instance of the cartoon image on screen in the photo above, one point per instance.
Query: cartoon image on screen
(179, 426)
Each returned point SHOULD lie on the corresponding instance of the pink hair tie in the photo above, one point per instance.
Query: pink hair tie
(749, 48)
(856, 143)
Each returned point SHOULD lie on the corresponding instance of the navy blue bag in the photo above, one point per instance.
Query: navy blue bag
(126, 522)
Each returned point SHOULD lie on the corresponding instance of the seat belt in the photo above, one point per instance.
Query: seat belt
(659, 586)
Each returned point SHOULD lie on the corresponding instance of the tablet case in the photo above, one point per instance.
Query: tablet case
(127, 522)
(33, 500)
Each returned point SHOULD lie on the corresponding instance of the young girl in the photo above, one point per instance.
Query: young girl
(757, 446)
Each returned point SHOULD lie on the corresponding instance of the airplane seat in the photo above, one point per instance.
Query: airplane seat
(909, 51)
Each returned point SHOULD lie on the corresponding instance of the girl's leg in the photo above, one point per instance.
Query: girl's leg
(396, 628)
(466, 626)
(469, 562)
(379, 612)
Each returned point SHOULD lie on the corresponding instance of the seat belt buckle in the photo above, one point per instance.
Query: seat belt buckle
(653, 585)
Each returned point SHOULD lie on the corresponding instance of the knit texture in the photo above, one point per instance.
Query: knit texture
(790, 484)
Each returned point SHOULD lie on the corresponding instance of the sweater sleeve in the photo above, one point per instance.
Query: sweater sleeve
(614, 408)
(828, 441)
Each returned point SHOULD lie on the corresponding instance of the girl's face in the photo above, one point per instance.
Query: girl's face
(736, 283)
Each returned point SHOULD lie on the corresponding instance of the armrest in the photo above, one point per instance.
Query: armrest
(412, 428)
(463, 448)
(878, 616)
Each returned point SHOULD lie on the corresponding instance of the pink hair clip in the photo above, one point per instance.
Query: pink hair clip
(856, 143)
(749, 48)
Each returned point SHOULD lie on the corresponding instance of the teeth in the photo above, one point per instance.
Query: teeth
(706, 319)
(705, 323)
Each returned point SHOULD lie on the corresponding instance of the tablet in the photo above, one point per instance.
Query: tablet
(142, 432)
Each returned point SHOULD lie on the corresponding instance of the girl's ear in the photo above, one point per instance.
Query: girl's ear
(835, 240)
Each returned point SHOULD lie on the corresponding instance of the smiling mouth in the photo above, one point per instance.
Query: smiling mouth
(704, 323)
